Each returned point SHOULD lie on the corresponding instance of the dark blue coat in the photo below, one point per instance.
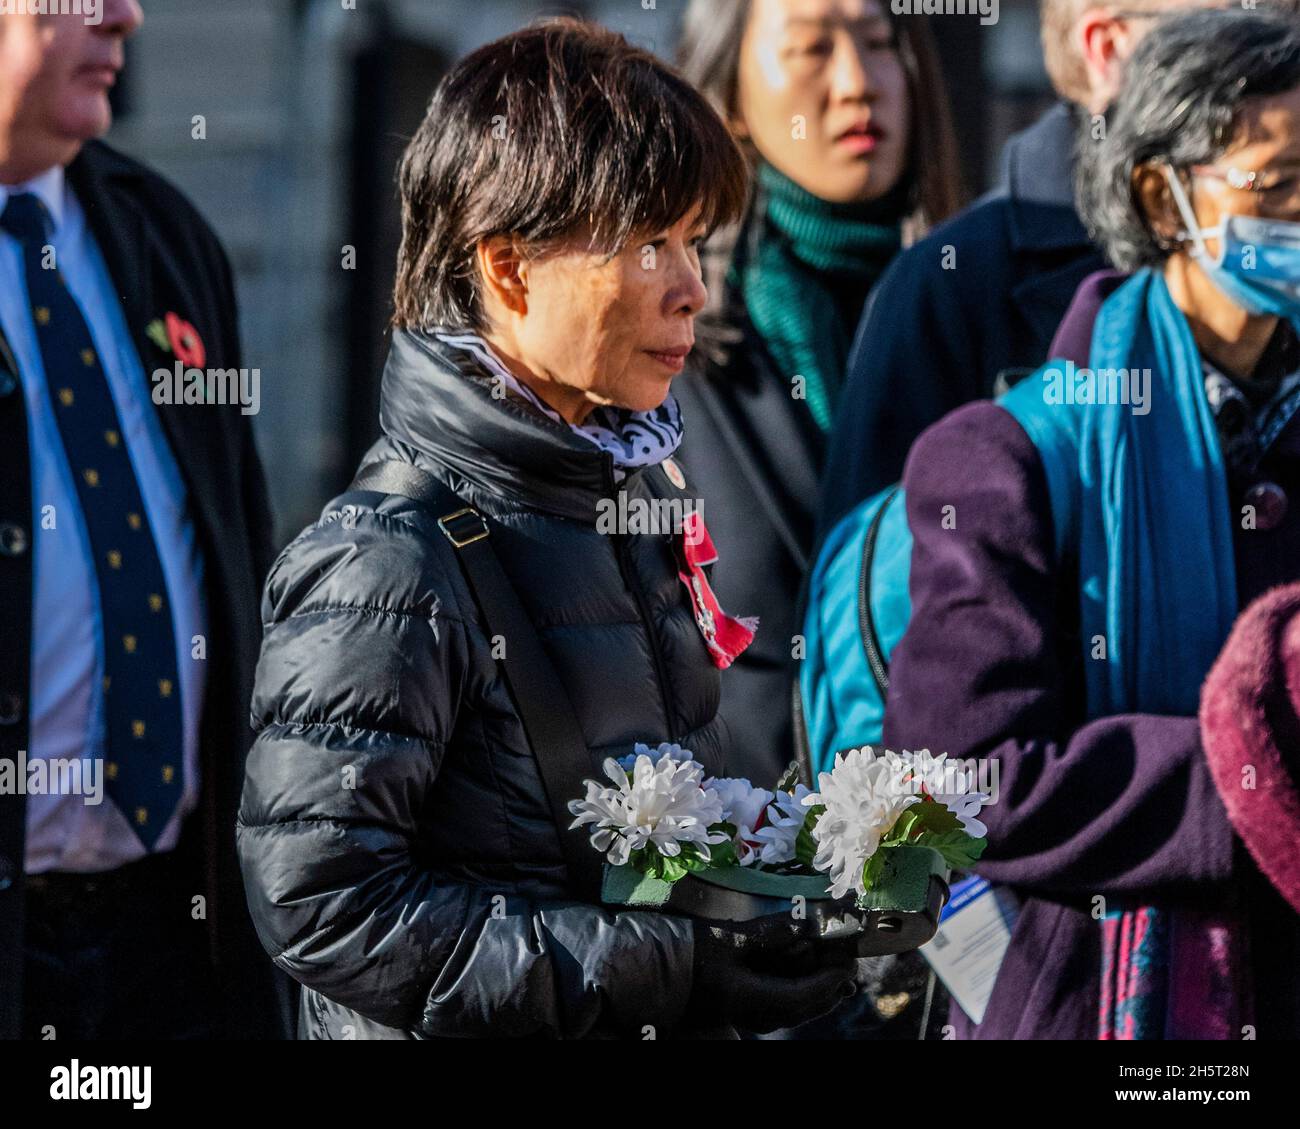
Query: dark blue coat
(979, 298)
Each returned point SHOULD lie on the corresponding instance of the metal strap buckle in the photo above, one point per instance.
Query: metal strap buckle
(473, 527)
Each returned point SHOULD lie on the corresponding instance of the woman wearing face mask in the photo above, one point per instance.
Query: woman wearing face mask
(1083, 548)
(841, 108)
(466, 634)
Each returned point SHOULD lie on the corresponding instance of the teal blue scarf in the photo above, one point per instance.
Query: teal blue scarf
(807, 280)
(1144, 499)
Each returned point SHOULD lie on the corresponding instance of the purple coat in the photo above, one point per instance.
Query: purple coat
(991, 666)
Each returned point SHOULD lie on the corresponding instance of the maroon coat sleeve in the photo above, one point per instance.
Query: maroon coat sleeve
(1123, 805)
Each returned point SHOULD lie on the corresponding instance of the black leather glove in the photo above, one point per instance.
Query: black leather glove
(763, 982)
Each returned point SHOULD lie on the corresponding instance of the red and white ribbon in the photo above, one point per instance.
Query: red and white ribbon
(725, 635)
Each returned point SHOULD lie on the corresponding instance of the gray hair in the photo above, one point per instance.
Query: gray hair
(1183, 90)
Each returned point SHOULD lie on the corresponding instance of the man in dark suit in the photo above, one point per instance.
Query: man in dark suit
(134, 536)
(975, 305)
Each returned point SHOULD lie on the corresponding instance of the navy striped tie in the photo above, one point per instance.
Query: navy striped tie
(144, 764)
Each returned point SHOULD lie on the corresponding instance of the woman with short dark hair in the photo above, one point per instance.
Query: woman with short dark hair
(1081, 552)
(463, 636)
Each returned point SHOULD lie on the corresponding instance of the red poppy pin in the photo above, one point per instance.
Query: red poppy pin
(173, 334)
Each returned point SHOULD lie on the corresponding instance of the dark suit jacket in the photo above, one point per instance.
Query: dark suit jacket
(978, 298)
(163, 258)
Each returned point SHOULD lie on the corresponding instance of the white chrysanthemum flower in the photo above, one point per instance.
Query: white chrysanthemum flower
(951, 785)
(665, 749)
(660, 804)
(864, 794)
(785, 819)
(742, 805)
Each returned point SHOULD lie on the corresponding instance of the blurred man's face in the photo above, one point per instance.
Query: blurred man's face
(1106, 36)
(55, 75)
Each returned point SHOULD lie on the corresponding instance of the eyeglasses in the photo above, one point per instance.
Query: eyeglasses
(1279, 191)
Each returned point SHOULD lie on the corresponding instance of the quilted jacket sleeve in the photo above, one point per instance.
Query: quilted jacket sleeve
(362, 671)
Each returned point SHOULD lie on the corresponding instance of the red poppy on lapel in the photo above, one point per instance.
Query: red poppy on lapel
(186, 342)
(173, 334)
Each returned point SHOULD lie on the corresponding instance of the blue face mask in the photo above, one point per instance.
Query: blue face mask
(1258, 266)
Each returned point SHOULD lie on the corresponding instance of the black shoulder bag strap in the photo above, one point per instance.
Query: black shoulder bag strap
(554, 735)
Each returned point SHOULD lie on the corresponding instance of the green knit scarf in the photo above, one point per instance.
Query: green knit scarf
(806, 281)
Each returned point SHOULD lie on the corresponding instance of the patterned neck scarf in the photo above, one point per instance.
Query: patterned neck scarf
(633, 439)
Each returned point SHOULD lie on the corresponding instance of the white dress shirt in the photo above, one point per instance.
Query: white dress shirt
(67, 662)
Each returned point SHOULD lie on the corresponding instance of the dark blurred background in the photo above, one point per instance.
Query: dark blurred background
(306, 106)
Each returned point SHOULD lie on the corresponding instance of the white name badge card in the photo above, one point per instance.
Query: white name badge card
(974, 932)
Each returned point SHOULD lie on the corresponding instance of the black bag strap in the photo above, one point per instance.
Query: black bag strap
(550, 724)
(802, 746)
(871, 644)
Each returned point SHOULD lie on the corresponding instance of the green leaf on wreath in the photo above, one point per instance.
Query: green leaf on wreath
(873, 869)
(924, 818)
(959, 849)
(724, 854)
(672, 869)
(805, 846)
(693, 860)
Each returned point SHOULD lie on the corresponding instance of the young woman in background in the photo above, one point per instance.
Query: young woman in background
(841, 108)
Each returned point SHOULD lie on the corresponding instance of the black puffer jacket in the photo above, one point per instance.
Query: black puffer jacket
(398, 852)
